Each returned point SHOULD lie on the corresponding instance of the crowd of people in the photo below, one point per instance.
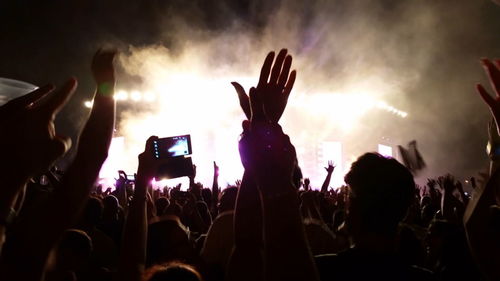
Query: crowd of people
(272, 225)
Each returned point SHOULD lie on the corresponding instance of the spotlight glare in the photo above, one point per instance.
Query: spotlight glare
(121, 95)
(136, 96)
(88, 104)
(149, 96)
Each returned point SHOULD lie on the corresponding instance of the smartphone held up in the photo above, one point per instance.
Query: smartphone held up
(176, 153)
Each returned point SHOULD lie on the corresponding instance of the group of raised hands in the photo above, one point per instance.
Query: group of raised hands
(267, 204)
(30, 145)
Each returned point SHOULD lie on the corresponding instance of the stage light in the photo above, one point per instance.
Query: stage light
(149, 96)
(136, 96)
(88, 104)
(115, 159)
(385, 150)
(121, 95)
(160, 184)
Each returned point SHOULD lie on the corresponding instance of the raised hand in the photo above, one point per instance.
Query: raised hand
(30, 144)
(102, 66)
(63, 207)
(216, 170)
(148, 165)
(237, 183)
(326, 182)
(447, 184)
(275, 84)
(330, 167)
(492, 69)
(307, 183)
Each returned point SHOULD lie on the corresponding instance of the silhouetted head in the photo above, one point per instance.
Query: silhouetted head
(93, 212)
(161, 204)
(74, 250)
(173, 209)
(202, 209)
(228, 199)
(297, 175)
(172, 272)
(381, 190)
(206, 195)
(110, 207)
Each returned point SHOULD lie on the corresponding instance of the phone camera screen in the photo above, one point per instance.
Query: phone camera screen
(172, 146)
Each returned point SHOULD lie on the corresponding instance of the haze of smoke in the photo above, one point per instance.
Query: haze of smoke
(359, 47)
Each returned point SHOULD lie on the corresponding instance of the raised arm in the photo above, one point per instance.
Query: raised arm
(287, 254)
(29, 144)
(247, 260)
(215, 188)
(133, 250)
(269, 159)
(67, 201)
(329, 172)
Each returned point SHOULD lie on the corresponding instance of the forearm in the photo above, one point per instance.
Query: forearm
(215, 192)
(97, 134)
(92, 152)
(68, 200)
(287, 253)
(326, 183)
(133, 249)
(246, 262)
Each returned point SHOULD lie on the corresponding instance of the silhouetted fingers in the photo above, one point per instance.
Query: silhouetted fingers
(53, 103)
(245, 125)
(105, 56)
(289, 84)
(493, 72)
(243, 98)
(266, 69)
(32, 97)
(149, 144)
(285, 72)
(489, 100)
(256, 105)
(278, 65)
(59, 146)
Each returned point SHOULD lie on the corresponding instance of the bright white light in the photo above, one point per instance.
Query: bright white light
(385, 150)
(136, 96)
(149, 96)
(88, 104)
(115, 159)
(383, 105)
(107, 183)
(121, 95)
(183, 181)
(332, 151)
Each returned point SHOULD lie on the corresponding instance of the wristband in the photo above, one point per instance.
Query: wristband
(105, 89)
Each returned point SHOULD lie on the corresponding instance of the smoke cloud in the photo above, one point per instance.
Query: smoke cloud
(355, 60)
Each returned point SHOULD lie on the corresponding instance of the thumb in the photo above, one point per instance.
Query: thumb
(243, 98)
(58, 147)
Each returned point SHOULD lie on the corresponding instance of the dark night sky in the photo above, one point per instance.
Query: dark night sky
(44, 41)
